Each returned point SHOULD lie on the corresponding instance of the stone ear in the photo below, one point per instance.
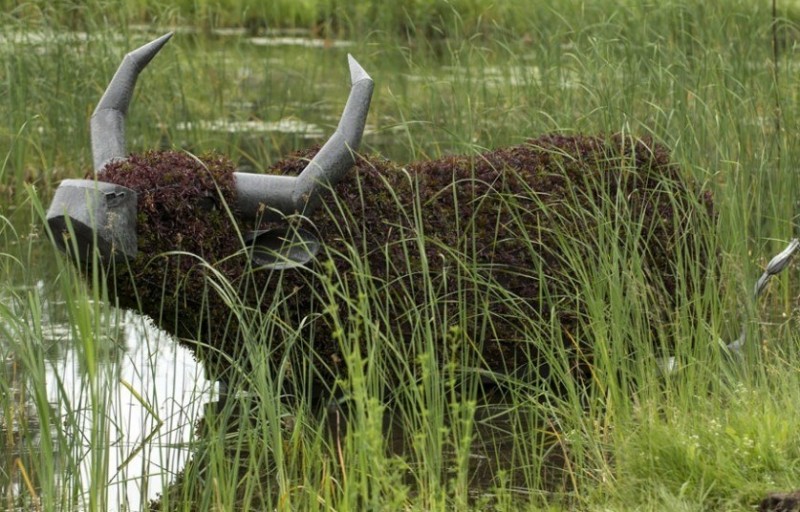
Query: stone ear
(282, 248)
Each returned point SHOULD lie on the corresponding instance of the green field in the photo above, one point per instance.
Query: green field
(714, 81)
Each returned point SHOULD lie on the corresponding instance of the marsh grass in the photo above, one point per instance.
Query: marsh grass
(33, 449)
(68, 442)
(410, 21)
(714, 434)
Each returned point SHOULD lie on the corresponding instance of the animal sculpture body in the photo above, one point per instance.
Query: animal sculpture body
(479, 239)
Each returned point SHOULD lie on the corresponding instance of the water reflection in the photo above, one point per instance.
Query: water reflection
(143, 405)
(279, 37)
(20, 432)
(153, 403)
(304, 42)
(287, 125)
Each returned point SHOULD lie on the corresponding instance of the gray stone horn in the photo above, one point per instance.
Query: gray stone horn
(270, 197)
(108, 119)
(102, 215)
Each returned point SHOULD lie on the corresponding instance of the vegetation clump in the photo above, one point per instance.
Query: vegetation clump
(498, 237)
(184, 234)
(489, 242)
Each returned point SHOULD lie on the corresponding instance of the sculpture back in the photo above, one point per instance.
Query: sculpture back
(490, 242)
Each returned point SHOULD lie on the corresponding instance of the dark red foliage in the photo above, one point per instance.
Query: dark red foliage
(184, 230)
(510, 213)
(505, 215)
(780, 502)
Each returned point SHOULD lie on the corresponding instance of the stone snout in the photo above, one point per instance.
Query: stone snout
(86, 215)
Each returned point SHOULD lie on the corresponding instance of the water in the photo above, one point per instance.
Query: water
(148, 394)
(156, 393)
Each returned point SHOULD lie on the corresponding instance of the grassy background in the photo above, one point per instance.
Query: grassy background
(451, 77)
(406, 18)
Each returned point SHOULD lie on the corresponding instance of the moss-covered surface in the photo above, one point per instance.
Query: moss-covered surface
(495, 227)
(482, 234)
(185, 233)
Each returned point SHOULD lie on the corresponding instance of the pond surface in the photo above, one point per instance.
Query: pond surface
(148, 396)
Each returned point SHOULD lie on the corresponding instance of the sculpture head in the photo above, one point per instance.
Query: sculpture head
(102, 216)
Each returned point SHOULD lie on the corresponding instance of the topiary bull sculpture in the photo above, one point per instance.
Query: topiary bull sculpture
(479, 238)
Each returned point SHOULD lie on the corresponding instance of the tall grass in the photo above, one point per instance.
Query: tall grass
(715, 434)
(409, 19)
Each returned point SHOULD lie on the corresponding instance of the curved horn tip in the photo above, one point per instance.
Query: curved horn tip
(108, 120)
(148, 51)
(357, 73)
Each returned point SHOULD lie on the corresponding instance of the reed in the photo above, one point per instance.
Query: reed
(715, 433)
